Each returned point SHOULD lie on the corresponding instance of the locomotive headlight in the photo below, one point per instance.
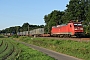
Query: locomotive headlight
(81, 28)
(75, 29)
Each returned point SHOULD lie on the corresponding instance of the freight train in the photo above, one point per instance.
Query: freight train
(64, 30)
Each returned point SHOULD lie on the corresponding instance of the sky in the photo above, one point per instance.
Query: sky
(17, 12)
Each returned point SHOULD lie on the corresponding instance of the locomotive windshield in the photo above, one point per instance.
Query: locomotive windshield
(77, 24)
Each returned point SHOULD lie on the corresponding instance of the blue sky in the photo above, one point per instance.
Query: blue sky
(17, 12)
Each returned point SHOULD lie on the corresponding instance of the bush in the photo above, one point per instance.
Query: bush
(15, 36)
(2, 36)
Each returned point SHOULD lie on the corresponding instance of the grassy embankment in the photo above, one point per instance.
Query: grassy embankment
(73, 48)
(30, 54)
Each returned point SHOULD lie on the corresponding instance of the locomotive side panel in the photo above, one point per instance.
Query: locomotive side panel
(60, 29)
(63, 29)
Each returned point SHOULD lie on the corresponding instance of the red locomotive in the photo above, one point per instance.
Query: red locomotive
(68, 30)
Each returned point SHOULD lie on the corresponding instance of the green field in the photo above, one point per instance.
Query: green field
(8, 49)
(12, 50)
(74, 48)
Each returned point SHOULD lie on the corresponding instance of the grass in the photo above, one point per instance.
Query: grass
(1, 36)
(73, 48)
(3, 47)
(16, 51)
(1, 42)
(31, 54)
(12, 50)
(8, 49)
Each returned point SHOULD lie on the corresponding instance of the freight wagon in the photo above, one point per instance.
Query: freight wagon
(24, 33)
(35, 32)
(68, 30)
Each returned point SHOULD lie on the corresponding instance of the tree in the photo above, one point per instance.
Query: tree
(77, 9)
(25, 26)
(87, 21)
(88, 13)
(52, 19)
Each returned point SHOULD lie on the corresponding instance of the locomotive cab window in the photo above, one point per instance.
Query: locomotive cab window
(77, 25)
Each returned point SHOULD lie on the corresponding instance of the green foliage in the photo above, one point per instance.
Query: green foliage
(15, 36)
(1, 36)
(73, 48)
(31, 54)
(25, 26)
(77, 9)
(25, 38)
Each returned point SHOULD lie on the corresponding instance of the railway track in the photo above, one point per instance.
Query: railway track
(75, 39)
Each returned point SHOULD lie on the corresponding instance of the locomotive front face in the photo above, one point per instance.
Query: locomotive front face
(78, 28)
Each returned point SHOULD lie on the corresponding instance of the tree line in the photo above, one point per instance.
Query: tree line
(76, 10)
(24, 27)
